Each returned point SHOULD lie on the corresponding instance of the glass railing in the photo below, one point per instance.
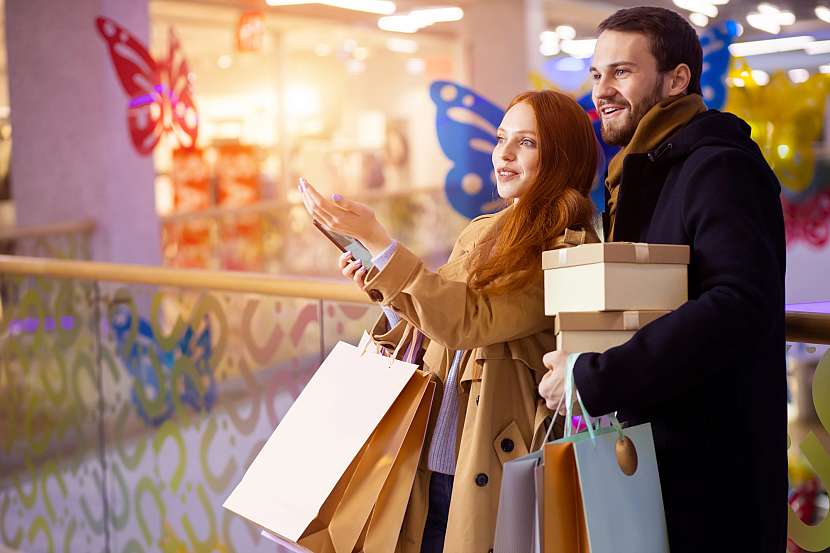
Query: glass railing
(133, 398)
(277, 237)
(71, 240)
(129, 410)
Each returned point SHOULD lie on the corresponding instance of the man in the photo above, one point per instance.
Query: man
(710, 376)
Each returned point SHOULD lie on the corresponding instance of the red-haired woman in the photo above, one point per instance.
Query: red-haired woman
(483, 313)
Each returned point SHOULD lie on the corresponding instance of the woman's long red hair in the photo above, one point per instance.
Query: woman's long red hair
(510, 257)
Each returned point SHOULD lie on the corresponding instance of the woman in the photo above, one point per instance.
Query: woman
(484, 315)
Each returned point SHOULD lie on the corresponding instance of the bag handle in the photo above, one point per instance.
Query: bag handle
(625, 451)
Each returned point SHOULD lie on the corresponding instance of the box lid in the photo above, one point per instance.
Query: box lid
(605, 320)
(616, 252)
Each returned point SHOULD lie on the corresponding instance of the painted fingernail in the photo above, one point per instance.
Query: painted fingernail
(336, 197)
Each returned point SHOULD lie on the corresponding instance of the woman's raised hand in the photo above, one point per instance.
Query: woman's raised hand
(346, 217)
(353, 269)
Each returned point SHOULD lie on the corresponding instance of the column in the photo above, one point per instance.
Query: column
(72, 155)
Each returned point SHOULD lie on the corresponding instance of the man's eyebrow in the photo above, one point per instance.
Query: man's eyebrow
(615, 65)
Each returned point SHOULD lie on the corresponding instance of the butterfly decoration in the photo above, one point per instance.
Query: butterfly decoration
(466, 123)
(715, 43)
(152, 368)
(160, 92)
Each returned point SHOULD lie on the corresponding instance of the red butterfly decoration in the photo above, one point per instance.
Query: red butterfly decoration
(161, 98)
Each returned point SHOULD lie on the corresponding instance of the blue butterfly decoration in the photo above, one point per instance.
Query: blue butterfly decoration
(137, 360)
(466, 124)
(715, 42)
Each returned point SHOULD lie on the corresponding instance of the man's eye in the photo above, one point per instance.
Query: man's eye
(595, 76)
(499, 139)
(620, 72)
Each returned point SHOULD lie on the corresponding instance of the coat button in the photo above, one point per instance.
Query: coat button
(481, 480)
(507, 445)
(375, 295)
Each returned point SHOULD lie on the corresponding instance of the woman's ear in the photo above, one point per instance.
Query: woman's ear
(679, 79)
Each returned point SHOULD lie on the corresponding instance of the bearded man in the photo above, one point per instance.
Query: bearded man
(710, 376)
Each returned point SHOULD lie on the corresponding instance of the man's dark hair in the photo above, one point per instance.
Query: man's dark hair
(673, 40)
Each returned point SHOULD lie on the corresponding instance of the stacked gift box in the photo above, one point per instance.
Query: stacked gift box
(601, 294)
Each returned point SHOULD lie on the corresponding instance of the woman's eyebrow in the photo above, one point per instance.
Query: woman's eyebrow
(520, 131)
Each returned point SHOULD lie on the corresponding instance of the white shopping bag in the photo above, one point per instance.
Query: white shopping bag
(317, 440)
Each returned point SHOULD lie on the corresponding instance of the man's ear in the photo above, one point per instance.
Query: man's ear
(678, 80)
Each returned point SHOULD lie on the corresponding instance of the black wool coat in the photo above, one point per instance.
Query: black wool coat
(710, 377)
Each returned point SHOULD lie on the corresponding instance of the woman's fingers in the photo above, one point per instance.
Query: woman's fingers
(350, 270)
(360, 276)
(344, 259)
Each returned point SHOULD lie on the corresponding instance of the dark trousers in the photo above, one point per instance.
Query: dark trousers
(440, 490)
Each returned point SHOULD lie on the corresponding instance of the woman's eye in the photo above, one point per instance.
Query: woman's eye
(499, 139)
(527, 142)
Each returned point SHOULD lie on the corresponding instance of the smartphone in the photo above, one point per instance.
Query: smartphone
(347, 244)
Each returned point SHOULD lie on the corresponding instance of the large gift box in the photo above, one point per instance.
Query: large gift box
(599, 331)
(615, 276)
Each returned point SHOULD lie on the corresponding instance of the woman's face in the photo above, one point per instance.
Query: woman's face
(516, 156)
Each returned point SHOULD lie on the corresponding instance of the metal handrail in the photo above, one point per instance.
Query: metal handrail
(82, 226)
(812, 328)
(227, 281)
(809, 328)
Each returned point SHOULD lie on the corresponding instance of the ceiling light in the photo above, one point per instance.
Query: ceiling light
(402, 45)
(760, 77)
(361, 53)
(549, 48)
(582, 48)
(398, 24)
(415, 66)
(769, 18)
(700, 6)
(381, 7)
(823, 13)
(818, 47)
(824, 69)
(416, 20)
(798, 75)
(737, 81)
(224, 61)
(355, 67)
(771, 46)
(699, 19)
(566, 32)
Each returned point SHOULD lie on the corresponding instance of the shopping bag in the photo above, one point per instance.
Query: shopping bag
(297, 482)
(597, 491)
(384, 526)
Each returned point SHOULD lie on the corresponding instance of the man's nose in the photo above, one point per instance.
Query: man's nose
(603, 89)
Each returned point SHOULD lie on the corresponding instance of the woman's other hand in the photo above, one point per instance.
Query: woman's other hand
(346, 217)
(353, 269)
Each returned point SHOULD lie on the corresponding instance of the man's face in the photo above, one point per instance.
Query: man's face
(626, 83)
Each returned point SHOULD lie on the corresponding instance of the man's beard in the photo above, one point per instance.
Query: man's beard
(623, 131)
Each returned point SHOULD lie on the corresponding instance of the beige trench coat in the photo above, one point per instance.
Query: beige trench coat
(501, 416)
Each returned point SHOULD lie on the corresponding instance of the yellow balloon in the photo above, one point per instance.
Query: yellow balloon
(785, 118)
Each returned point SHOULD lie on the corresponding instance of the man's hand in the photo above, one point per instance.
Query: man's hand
(552, 386)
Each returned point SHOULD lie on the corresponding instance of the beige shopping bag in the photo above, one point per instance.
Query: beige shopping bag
(384, 528)
(377, 462)
(300, 476)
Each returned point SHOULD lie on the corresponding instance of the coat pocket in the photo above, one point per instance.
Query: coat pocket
(510, 444)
